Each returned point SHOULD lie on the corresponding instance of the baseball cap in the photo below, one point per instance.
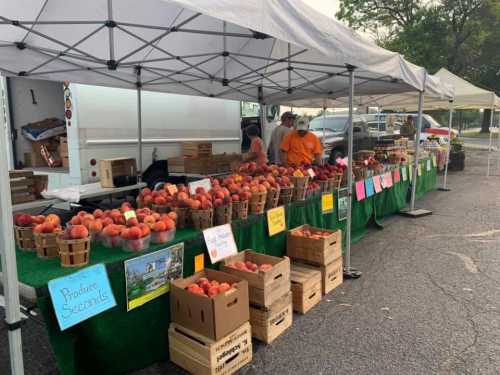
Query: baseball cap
(288, 114)
(302, 123)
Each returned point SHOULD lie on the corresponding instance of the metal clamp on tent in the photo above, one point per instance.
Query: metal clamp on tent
(15, 325)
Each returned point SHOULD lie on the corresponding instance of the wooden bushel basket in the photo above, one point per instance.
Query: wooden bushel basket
(272, 199)
(240, 210)
(182, 217)
(223, 214)
(163, 209)
(74, 253)
(202, 219)
(24, 238)
(300, 187)
(299, 194)
(258, 202)
(46, 245)
(286, 195)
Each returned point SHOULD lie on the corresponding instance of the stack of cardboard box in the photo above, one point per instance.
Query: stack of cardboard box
(210, 335)
(269, 292)
(316, 252)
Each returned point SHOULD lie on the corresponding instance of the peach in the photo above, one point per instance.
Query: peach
(173, 215)
(145, 230)
(134, 233)
(149, 220)
(169, 223)
(132, 222)
(76, 220)
(107, 221)
(159, 226)
(95, 226)
(78, 231)
(98, 213)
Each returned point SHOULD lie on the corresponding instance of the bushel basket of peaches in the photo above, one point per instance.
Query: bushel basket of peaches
(74, 246)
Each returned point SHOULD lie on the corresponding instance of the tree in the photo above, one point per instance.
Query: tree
(460, 35)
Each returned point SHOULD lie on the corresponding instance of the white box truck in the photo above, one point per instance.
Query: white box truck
(102, 124)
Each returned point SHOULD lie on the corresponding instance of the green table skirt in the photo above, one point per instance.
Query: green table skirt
(118, 341)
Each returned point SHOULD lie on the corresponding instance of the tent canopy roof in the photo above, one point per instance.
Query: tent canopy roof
(267, 51)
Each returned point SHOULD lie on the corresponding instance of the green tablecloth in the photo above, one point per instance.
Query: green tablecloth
(118, 341)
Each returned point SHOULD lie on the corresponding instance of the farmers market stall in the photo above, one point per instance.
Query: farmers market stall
(187, 47)
(142, 331)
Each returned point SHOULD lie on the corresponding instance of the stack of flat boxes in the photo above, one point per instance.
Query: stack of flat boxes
(210, 335)
(322, 254)
(269, 293)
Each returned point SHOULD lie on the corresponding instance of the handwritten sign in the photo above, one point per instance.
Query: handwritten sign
(327, 203)
(388, 180)
(397, 176)
(360, 190)
(199, 262)
(171, 188)
(410, 172)
(81, 295)
(205, 184)
(220, 242)
(382, 182)
(428, 165)
(404, 173)
(311, 173)
(434, 161)
(376, 184)
(370, 190)
(129, 215)
(276, 220)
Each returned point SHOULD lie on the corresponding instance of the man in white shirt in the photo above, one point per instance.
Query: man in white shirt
(279, 134)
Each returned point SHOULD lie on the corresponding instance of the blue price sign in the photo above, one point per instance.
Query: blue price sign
(81, 295)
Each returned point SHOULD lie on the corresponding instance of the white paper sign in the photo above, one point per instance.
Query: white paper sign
(205, 184)
(428, 166)
(220, 242)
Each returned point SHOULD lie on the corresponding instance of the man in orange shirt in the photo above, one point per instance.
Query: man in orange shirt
(300, 146)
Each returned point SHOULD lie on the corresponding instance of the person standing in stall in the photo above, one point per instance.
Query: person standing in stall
(301, 146)
(257, 152)
(408, 128)
(279, 134)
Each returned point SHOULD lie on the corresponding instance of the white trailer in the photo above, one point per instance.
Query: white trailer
(103, 124)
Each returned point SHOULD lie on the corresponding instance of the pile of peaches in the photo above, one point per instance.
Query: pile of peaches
(209, 288)
(309, 233)
(249, 266)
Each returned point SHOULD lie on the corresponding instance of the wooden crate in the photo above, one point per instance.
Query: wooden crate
(320, 251)
(200, 355)
(332, 274)
(196, 165)
(306, 287)
(117, 172)
(22, 186)
(264, 287)
(269, 323)
(195, 149)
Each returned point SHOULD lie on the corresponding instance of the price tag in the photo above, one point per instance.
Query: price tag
(199, 262)
(327, 203)
(220, 242)
(434, 161)
(276, 222)
(205, 184)
(311, 173)
(404, 173)
(172, 189)
(129, 215)
(298, 173)
(428, 166)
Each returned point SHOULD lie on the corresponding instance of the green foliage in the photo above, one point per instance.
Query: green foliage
(460, 35)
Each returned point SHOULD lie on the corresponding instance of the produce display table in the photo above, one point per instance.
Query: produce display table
(118, 341)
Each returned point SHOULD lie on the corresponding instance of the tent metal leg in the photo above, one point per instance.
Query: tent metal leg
(490, 147)
(139, 123)
(9, 267)
(349, 272)
(412, 212)
(447, 160)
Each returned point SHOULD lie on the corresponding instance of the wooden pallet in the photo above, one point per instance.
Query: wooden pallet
(200, 355)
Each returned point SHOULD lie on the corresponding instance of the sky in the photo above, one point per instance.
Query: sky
(328, 7)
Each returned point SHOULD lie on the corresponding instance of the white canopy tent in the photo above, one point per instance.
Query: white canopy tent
(255, 50)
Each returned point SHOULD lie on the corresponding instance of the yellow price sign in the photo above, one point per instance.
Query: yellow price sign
(199, 262)
(434, 161)
(327, 203)
(129, 214)
(276, 222)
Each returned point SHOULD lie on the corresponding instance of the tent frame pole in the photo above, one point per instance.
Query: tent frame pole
(448, 151)
(9, 267)
(139, 122)
(491, 139)
(412, 212)
(349, 272)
